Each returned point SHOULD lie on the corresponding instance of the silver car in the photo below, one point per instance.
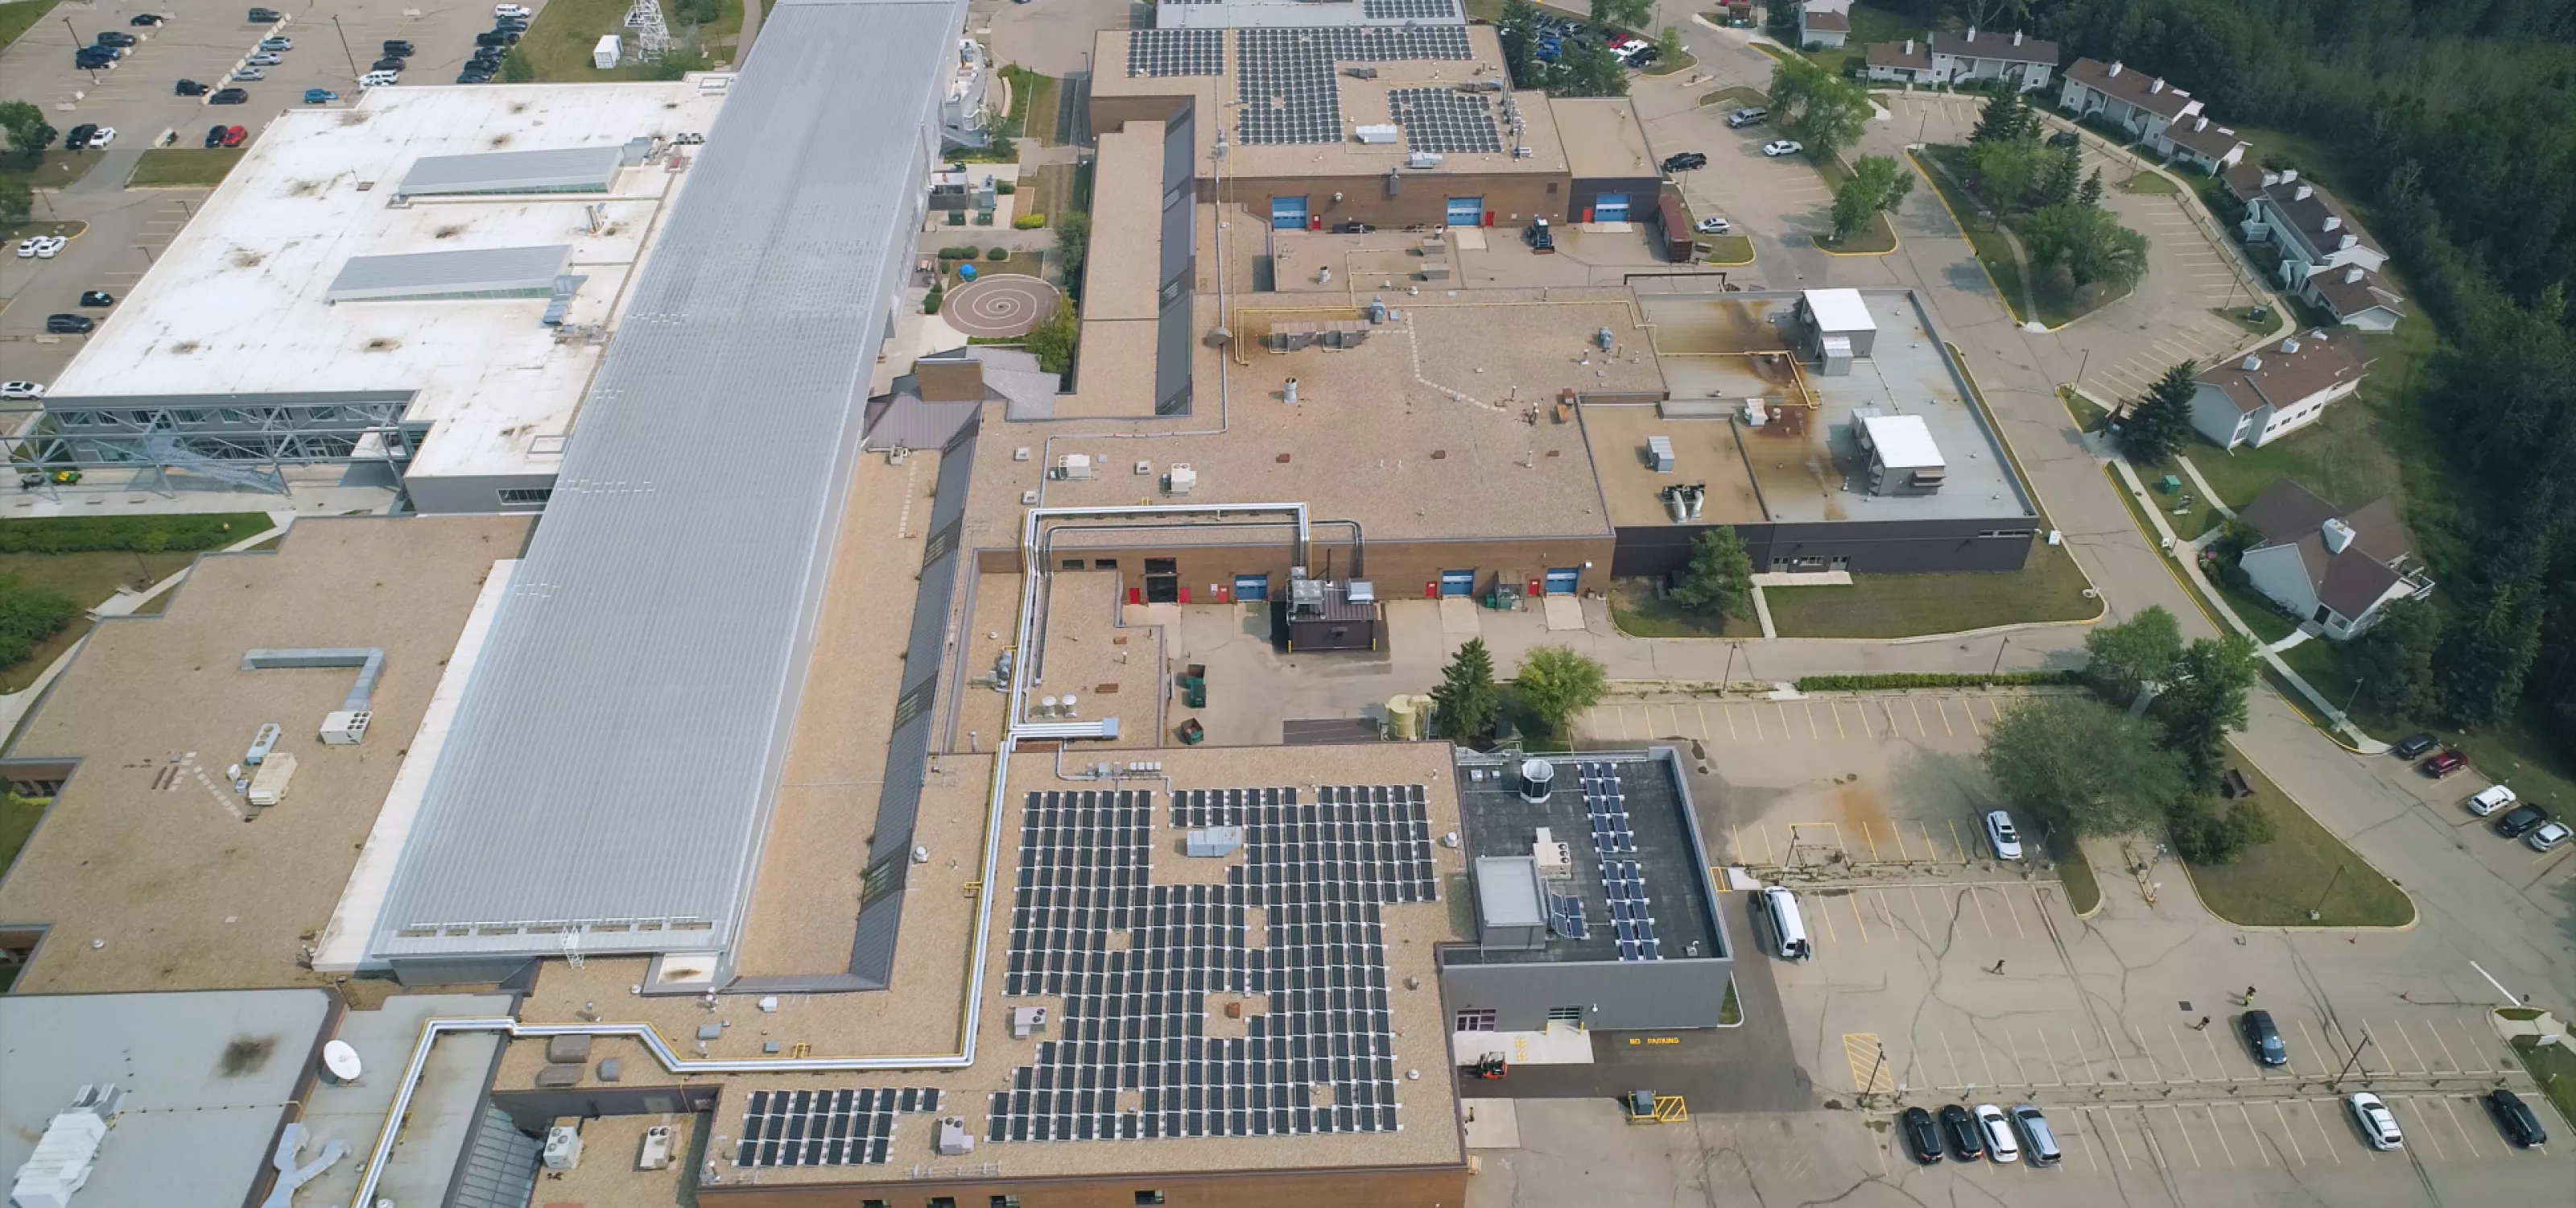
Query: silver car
(250, 73)
(265, 59)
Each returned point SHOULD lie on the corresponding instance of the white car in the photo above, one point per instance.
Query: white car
(2000, 833)
(2548, 836)
(1712, 226)
(266, 58)
(2490, 799)
(379, 79)
(21, 390)
(2378, 1125)
(102, 137)
(42, 247)
(513, 10)
(1783, 147)
(2001, 1145)
(250, 73)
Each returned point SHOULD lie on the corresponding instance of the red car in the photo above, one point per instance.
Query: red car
(234, 136)
(2449, 761)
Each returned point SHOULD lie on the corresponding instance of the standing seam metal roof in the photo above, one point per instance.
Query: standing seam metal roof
(620, 742)
(513, 171)
(468, 270)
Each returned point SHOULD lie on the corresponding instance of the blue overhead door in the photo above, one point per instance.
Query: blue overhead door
(1457, 583)
(1610, 207)
(1466, 211)
(1563, 580)
(1288, 213)
(1252, 589)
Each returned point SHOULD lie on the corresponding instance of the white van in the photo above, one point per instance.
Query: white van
(378, 79)
(2490, 799)
(1788, 931)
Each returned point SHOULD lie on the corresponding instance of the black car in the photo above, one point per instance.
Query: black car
(142, 19)
(2063, 138)
(387, 63)
(191, 88)
(2515, 1120)
(2521, 821)
(91, 58)
(398, 48)
(78, 136)
(1646, 57)
(69, 325)
(2262, 1037)
(1687, 161)
(473, 77)
(215, 136)
(1921, 1138)
(1967, 1142)
(97, 297)
(2414, 746)
(487, 57)
(111, 37)
(229, 96)
(266, 15)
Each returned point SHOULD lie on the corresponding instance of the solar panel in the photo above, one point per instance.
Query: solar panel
(1445, 120)
(1175, 52)
(851, 1127)
(1408, 10)
(1284, 77)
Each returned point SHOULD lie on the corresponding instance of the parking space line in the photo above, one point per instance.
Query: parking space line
(2252, 1135)
(2312, 1046)
(2049, 1051)
(1701, 712)
(2012, 914)
(2078, 1038)
(1870, 838)
(1944, 710)
(1969, 707)
(1921, 915)
(2323, 1137)
(1729, 714)
(2126, 1163)
(1962, 848)
(1917, 711)
(2474, 1048)
(1983, 1059)
(1928, 844)
(2445, 1046)
(2152, 1063)
(1862, 708)
(1826, 915)
(1854, 899)
(2226, 1150)
(1810, 710)
(2426, 1129)
(2423, 1067)
(2185, 1130)
(2183, 1053)
(2021, 1070)
(1981, 912)
(1898, 831)
(2454, 1114)
(1837, 711)
(2296, 1149)
(2214, 1058)
(1951, 1056)
(2078, 1130)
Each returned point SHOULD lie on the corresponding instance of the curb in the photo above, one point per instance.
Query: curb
(2291, 929)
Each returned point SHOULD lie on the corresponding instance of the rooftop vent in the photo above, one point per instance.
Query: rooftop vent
(2338, 536)
(1537, 776)
(2116, 67)
(2352, 274)
(2302, 193)
(2253, 362)
(2290, 347)
(2332, 223)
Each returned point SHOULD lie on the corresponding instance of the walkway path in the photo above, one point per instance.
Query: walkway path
(2207, 492)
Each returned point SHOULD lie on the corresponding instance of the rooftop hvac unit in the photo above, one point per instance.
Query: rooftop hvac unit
(1555, 858)
(263, 744)
(563, 1147)
(345, 727)
(1213, 841)
(1375, 135)
(1422, 159)
(1360, 591)
(1659, 452)
(1182, 480)
(1305, 596)
(1536, 777)
(953, 1137)
(656, 1151)
(60, 1162)
(1074, 466)
(269, 786)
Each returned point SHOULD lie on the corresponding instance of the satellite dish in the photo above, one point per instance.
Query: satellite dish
(341, 1061)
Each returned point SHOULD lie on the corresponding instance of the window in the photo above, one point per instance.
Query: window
(1162, 566)
(943, 1201)
(525, 497)
(874, 1204)
(1104, 564)
(1149, 1197)
(1481, 1020)
(2007, 533)
(1006, 1201)
(1073, 564)
(1565, 1014)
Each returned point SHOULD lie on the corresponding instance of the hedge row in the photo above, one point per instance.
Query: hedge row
(29, 615)
(1867, 683)
(146, 534)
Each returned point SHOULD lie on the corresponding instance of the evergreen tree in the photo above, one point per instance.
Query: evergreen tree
(1466, 701)
(2063, 180)
(1719, 578)
(2495, 642)
(2396, 660)
(2090, 196)
(2006, 119)
(2157, 427)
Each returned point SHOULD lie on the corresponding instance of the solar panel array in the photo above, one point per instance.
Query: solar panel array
(1134, 1019)
(1284, 77)
(826, 1128)
(1623, 882)
(1445, 120)
(1565, 916)
(1175, 52)
(1408, 10)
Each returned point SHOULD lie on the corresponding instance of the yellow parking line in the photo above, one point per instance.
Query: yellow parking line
(1812, 732)
(1928, 844)
(1899, 832)
(1854, 899)
(1760, 734)
(2322, 1135)
(1917, 711)
(1969, 707)
(1871, 838)
(1735, 849)
(1962, 848)
(2293, 1134)
(1862, 708)
(1828, 917)
(1717, 877)
(1946, 727)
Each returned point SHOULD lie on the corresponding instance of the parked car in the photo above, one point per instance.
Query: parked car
(1967, 1141)
(2063, 138)
(144, 19)
(101, 137)
(228, 96)
(92, 58)
(2489, 799)
(78, 136)
(69, 324)
(379, 79)
(115, 37)
(191, 88)
(2262, 1036)
(2550, 835)
(387, 63)
(2001, 1145)
(277, 44)
(519, 24)
(1686, 161)
(215, 135)
(264, 58)
(48, 245)
(399, 48)
(1747, 117)
(320, 96)
(2413, 746)
(513, 10)
(97, 297)
(2520, 821)
(1712, 226)
(266, 15)
(2378, 1124)
(1921, 1139)
(472, 76)
(2449, 761)
(234, 135)
(1643, 57)
(498, 37)
(2000, 833)
(21, 390)
(2513, 1117)
(1780, 148)
(250, 73)
(2038, 1139)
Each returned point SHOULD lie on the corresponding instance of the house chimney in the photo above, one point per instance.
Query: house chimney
(2200, 123)
(2332, 222)
(2290, 346)
(2302, 193)
(2289, 174)
(2016, 37)
(1909, 48)
(2338, 536)
(2115, 68)
(1972, 33)
(2253, 363)
(2349, 239)
(2352, 274)
(2158, 86)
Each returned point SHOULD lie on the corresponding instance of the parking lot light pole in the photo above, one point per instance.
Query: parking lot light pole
(344, 44)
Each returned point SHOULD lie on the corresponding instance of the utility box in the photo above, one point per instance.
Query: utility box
(606, 54)
(563, 1147)
(268, 787)
(345, 727)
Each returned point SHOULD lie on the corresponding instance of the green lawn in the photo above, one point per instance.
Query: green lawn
(181, 166)
(2088, 416)
(18, 817)
(2049, 588)
(1729, 1012)
(2516, 749)
(2053, 298)
(2145, 183)
(15, 19)
(1738, 97)
(89, 579)
(1868, 25)
(2236, 315)
(1636, 610)
(55, 169)
(2340, 456)
(1677, 63)
(2258, 612)
(1728, 251)
(2083, 892)
(1878, 238)
(558, 43)
(2276, 884)
(2554, 1068)
(1034, 103)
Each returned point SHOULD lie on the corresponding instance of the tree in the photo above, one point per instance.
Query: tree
(1557, 683)
(1588, 71)
(29, 615)
(17, 201)
(2006, 119)
(27, 131)
(2395, 660)
(2089, 244)
(2204, 701)
(2494, 644)
(2082, 765)
(1622, 14)
(2127, 656)
(1877, 183)
(1816, 107)
(515, 67)
(1668, 47)
(2091, 194)
(2157, 427)
(1073, 246)
(2007, 172)
(1466, 701)
(2062, 179)
(2204, 834)
(1719, 578)
(1052, 341)
(1518, 31)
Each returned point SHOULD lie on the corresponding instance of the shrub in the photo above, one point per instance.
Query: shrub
(970, 252)
(146, 534)
(1006, 187)
(1903, 679)
(1029, 222)
(930, 301)
(29, 615)
(998, 254)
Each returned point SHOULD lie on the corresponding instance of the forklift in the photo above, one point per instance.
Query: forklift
(1490, 1066)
